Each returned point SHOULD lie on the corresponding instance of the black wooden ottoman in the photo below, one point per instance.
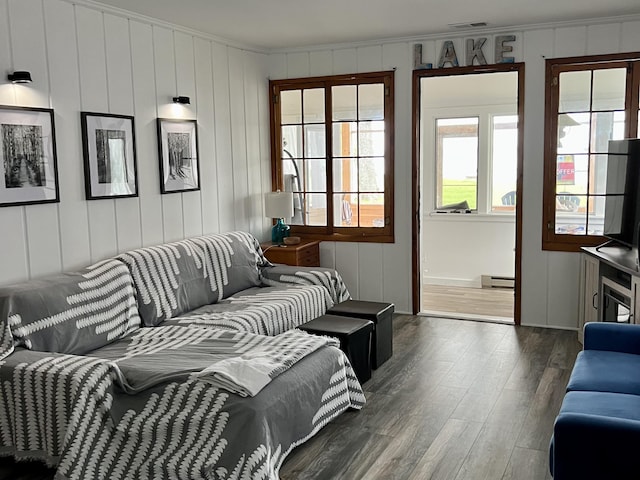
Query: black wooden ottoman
(380, 314)
(355, 339)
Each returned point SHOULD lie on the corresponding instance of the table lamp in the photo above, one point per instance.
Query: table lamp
(279, 205)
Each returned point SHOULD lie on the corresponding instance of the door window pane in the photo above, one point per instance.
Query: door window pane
(316, 209)
(292, 140)
(371, 210)
(316, 176)
(606, 126)
(609, 86)
(572, 174)
(595, 215)
(598, 174)
(345, 174)
(345, 208)
(298, 208)
(371, 102)
(573, 133)
(344, 102)
(291, 106)
(569, 220)
(314, 141)
(344, 139)
(566, 174)
(314, 105)
(371, 174)
(371, 139)
(575, 91)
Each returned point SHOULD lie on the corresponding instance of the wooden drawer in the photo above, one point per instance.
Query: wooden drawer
(309, 257)
(305, 254)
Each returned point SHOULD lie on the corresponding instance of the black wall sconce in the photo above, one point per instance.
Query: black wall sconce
(20, 77)
(183, 100)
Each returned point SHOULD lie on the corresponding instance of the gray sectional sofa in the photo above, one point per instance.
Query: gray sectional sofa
(171, 361)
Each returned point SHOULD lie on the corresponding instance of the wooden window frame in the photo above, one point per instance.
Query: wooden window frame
(330, 232)
(566, 242)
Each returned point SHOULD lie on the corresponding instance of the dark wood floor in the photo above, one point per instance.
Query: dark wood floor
(458, 400)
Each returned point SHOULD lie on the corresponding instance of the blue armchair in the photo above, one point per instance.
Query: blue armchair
(597, 432)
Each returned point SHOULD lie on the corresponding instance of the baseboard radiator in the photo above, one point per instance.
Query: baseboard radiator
(494, 281)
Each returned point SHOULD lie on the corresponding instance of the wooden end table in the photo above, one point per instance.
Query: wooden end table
(304, 254)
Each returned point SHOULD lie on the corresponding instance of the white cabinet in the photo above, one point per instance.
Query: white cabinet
(589, 292)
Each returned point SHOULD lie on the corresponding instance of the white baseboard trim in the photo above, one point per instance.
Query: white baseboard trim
(451, 282)
(487, 318)
(466, 316)
(555, 327)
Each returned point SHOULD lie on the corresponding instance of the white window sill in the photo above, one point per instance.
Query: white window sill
(502, 217)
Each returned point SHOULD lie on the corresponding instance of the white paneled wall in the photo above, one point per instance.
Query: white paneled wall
(550, 279)
(383, 272)
(378, 272)
(85, 59)
(458, 249)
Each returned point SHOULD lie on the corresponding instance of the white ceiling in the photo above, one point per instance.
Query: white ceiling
(288, 24)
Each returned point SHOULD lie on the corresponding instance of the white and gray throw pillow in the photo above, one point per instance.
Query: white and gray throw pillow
(176, 278)
(72, 312)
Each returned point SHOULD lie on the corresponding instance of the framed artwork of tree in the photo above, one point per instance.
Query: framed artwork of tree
(178, 152)
(28, 160)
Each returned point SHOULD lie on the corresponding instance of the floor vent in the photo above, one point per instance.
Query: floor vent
(493, 281)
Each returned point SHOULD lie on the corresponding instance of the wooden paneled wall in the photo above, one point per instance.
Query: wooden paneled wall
(85, 59)
(378, 272)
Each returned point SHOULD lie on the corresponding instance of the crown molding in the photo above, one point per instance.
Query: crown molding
(458, 33)
(129, 15)
(444, 35)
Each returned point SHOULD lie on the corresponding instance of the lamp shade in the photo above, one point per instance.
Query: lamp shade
(278, 205)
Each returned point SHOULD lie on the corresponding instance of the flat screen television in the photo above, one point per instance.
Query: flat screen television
(622, 192)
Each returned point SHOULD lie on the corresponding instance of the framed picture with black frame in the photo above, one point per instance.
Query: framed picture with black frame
(28, 156)
(178, 154)
(109, 151)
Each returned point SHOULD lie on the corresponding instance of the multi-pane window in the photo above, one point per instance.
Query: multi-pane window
(332, 141)
(589, 102)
